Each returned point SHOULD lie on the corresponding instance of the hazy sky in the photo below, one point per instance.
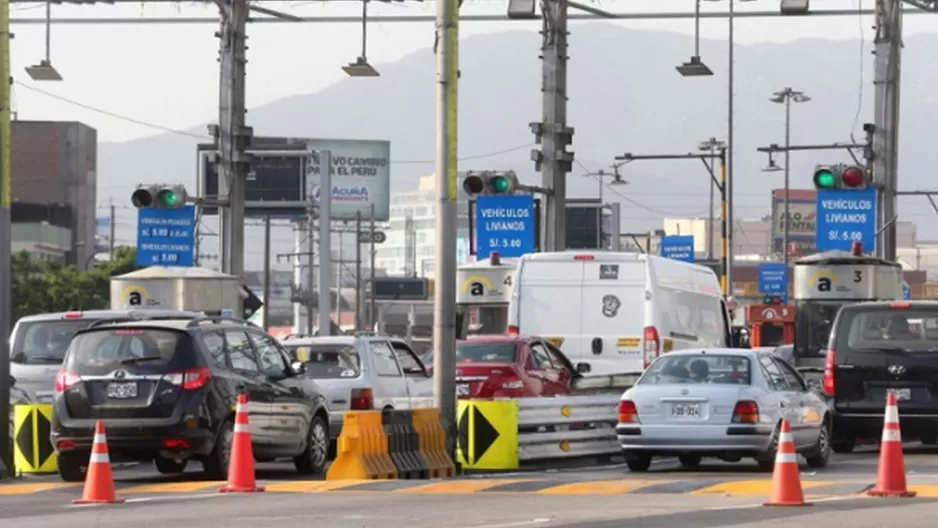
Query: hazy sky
(167, 75)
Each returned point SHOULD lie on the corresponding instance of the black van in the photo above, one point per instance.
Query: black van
(876, 348)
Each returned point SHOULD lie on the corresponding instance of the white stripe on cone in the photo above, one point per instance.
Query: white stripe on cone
(892, 414)
(100, 439)
(100, 458)
(242, 428)
(786, 458)
(891, 435)
(785, 437)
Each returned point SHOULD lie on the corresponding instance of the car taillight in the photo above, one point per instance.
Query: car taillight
(746, 412)
(652, 344)
(512, 330)
(189, 379)
(362, 400)
(512, 383)
(628, 413)
(65, 380)
(175, 443)
(74, 315)
(829, 373)
(65, 445)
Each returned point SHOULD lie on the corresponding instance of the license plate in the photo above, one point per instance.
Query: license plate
(685, 410)
(122, 391)
(462, 389)
(901, 394)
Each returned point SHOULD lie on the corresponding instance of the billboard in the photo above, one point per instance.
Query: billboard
(802, 219)
(102, 236)
(361, 176)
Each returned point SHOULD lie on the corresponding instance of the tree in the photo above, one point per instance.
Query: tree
(44, 287)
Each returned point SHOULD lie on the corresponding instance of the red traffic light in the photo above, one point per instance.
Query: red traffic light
(853, 177)
(473, 184)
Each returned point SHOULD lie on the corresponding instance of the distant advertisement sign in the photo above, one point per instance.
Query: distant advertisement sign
(361, 175)
(802, 219)
(102, 236)
(462, 251)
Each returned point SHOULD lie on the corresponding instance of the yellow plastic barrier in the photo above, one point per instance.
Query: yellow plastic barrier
(363, 449)
(488, 434)
(432, 442)
(32, 448)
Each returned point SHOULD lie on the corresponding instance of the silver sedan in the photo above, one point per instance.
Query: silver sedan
(722, 403)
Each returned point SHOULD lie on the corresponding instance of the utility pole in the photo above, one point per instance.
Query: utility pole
(358, 271)
(325, 242)
(232, 136)
(112, 228)
(373, 302)
(786, 97)
(447, 187)
(6, 237)
(886, 77)
(300, 244)
(553, 134)
(712, 146)
(265, 309)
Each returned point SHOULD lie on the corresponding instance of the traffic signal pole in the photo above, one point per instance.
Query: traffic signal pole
(726, 205)
(6, 239)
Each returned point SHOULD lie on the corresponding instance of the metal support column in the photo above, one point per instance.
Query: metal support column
(6, 237)
(444, 309)
(727, 167)
(358, 271)
(265, 309)
(724, 229)
(300, 239)
(232, 135)
(372, 253)
(325, 242)
(886, 80)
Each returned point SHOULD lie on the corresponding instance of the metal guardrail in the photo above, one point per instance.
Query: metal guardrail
(567, 427)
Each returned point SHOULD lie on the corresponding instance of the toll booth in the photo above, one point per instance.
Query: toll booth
(770, 325)
(483, 289)
(192, 289)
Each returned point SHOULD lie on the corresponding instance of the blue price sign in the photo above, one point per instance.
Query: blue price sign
(678, 247)
(845, 217)
(505, 224)
(906, 292)
(166, 237)
(773, 280)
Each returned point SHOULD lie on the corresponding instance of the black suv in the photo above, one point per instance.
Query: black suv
(166, 391)
(876, 348)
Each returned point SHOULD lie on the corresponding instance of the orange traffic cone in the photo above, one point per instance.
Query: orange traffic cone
(99, 482)
(890, 479)
(241, 462)
(786, 480)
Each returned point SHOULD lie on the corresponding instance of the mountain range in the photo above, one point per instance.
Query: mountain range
(624, 96)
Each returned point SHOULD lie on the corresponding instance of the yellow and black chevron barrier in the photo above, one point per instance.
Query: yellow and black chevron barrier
(32, 448)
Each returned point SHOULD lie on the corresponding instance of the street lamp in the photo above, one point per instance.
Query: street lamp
(44, 71)
(695, 67)
(786, 97)
(601, 175)
(361, 67)
(712, 146)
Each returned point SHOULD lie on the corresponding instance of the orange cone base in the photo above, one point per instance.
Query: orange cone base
(102, 501)
(894, 494)
(802, 503)
(234, 489)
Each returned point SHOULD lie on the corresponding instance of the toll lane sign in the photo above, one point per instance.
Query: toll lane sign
(505, 224)
(166, 237)
(844, 217)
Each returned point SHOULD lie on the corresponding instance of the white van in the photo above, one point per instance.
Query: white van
(617, 311)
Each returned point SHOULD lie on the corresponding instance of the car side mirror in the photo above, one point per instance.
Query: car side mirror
(583, 368)
(298, 368)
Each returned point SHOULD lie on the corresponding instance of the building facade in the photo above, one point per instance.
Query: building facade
(54, 163)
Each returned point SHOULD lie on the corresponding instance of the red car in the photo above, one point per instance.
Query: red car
(500, 366)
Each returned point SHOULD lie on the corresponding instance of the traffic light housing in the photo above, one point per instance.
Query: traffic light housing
(159, 197)
(775, 300)
(490, 183)
(839, 177)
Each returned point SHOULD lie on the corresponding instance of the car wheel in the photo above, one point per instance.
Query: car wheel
(843, 445)
(766, 459)
(820, 454)
(314, 458)
(689, 460)
(638, 463)
(71, 468)
(216, 463)
(168, 466)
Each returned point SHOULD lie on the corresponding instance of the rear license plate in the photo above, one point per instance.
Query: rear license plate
(685, 410)
(122, 391)
(901, 394)
(462, 389)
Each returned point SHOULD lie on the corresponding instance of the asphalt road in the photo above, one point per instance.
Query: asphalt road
(717, 494)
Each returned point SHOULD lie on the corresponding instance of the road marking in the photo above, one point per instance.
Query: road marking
(462, 486)
(33, 487)
(156, 499)
(752, 487)
(174, 487)
(596, 487)
(925, 490)
(532, 522)
(761, 505)
(313, 486)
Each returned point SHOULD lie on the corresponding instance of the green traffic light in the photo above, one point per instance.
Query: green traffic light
(824, 179)
(168, 198)
(498, 184)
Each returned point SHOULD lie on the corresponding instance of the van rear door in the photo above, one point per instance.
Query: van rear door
(612, 313)
(549, 301)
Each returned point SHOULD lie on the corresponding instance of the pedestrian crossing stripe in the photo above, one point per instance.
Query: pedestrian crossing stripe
(32, 447)
(487, 434)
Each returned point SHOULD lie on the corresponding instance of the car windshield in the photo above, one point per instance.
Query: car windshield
(813, 323)
(700, 368)
(327, 361)
(107, 349)
(44, 342)
(889, 330)
(481, 352)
